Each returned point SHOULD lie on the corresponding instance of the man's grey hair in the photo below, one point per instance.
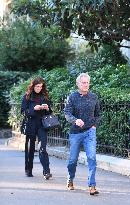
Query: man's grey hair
(86, 75)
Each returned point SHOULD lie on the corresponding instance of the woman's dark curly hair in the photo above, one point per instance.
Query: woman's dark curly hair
(34, 82)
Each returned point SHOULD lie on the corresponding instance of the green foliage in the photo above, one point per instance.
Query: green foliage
(8, 79)
(99, 21)
(111, 77)
(27, 46)
(111, 85)
(59, 82)
(113, 131)
(107, 55)
(114, 127)
(39, 10)
(85, 60)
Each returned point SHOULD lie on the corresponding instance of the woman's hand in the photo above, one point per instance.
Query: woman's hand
(37, 107)
(41, 107)
(44, 107)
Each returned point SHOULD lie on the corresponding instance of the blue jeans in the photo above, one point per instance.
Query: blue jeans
(88, 140)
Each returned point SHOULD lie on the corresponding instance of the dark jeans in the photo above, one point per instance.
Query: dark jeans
(30, 149)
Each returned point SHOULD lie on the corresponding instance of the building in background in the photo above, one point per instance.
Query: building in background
(4, 8)
(126, 51)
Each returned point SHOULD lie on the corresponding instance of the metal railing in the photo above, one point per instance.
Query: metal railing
(114, 123)
(117, 120)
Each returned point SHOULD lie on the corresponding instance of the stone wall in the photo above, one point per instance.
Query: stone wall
(5, 133)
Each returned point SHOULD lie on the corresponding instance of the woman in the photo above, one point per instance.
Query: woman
(35, 104)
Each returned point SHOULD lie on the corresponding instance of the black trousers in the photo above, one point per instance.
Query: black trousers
(30, 149)
(43, 155)
(29, 152)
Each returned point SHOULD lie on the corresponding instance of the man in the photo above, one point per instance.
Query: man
(82, 111)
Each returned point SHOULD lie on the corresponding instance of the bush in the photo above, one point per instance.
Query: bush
(111, 85)
(26, 46)
(111, 77)
(88, 61)
(59, 82)
(107, 55)
(8, 79)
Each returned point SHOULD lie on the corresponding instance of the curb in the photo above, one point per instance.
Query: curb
(105, 162)
(108, 163)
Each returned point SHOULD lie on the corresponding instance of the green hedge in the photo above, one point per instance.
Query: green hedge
(8, 80)
(111, 85)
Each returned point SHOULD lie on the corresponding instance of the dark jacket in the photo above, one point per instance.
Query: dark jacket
(33, 117)
(84, 107)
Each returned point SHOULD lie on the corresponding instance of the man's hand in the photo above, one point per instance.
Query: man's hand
(79, 122)
(93, 127)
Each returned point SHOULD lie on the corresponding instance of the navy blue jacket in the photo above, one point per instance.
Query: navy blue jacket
(34, 117)
(85, 107)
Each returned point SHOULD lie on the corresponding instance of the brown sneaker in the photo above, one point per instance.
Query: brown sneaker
(93, 190)
(70, 185)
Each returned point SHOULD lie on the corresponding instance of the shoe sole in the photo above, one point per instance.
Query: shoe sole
(29, 175)
(47, 178)
(70, 189)
(95, 193)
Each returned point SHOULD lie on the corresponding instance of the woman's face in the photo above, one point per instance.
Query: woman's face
(38, 88)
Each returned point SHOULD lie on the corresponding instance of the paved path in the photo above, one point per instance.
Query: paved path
(16, 188)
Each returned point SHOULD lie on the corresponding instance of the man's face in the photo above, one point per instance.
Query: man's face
(83, 85)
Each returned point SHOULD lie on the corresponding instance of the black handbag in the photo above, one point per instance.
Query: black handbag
(50, 121)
